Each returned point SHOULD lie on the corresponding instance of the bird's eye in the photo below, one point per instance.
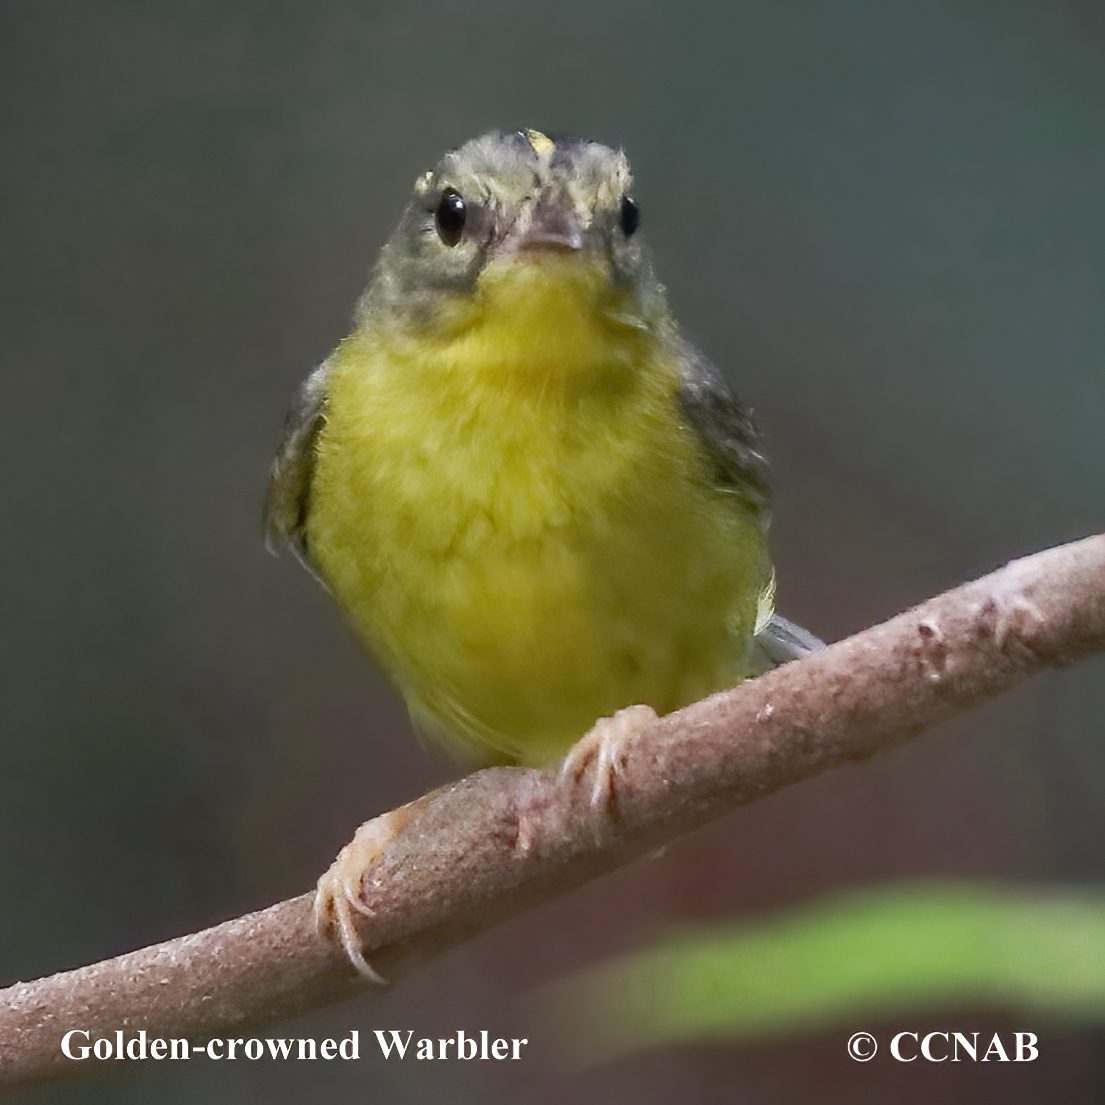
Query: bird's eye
(630, 217)
(450, 216)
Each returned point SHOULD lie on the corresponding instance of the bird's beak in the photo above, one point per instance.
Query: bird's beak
(552, 227)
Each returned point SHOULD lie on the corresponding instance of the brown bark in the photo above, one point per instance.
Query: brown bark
(505, 839)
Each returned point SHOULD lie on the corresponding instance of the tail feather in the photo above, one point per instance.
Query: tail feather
(780, 641)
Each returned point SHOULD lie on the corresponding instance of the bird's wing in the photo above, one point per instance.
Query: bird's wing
(732, 444)
(728, 434)
(288, 499)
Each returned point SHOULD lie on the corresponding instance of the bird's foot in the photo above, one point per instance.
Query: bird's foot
(605, 744)
(339, 895)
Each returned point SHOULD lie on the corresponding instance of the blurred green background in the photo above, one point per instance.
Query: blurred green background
(883, 221)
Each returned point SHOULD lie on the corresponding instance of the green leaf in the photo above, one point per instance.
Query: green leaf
(871, 955)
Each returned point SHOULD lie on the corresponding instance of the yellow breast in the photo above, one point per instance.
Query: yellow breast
(519, 525)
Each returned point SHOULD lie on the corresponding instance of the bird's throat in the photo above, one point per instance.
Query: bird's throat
(546, 327)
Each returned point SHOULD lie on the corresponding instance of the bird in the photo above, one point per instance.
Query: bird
(535, 503)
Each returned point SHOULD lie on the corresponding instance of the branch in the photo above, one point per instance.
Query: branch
(503, 840)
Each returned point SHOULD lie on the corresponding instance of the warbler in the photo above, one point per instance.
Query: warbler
(535, 503)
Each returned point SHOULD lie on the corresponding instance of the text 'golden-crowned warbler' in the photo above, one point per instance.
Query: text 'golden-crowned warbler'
(534, 502)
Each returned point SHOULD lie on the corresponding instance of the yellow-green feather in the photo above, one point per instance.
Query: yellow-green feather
(518, 522)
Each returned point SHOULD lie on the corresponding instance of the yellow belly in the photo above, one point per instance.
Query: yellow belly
(525, 549)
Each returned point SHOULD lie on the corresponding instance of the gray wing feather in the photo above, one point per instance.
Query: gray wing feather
(288, 501)
(728, 433)
(725, 427)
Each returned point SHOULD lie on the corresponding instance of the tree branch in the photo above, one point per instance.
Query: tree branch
(502, 840)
